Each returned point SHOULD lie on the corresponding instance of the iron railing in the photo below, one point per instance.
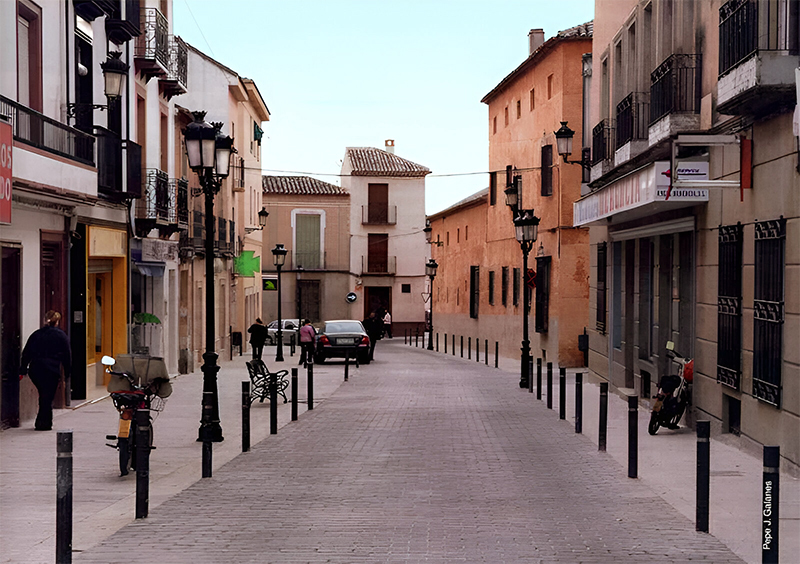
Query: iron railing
(156, 202)
(178, 60)
(309, 260)
(601, 142)
(747, 26)
(378, 215)
(221, 242)
(768, 305)
(182, 208)
(729, 306)
(675, 86)
(109, 161)
(633, 115)
(153, 43)
(198, 231)
(38, 130)
(374, 264)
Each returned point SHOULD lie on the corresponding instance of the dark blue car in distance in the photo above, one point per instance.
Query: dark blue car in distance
(340, 338)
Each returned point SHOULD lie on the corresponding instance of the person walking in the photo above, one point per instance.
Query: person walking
(45, 354)
(307, 337)
(387, 324)
(258, 336)
(374, 327)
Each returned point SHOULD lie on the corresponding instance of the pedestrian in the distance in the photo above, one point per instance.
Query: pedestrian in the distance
(258, 336)
(307, 337)
(45, 354)
(387, 324)
(374, 327)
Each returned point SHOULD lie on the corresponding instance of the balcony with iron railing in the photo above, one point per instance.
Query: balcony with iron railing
(309, 260)
(198, 238)
(675, 96)
(633, 116)
(378, 265)
(602, 148)
(124, 22)
(758, 52)
(153, 209)
(175, 82)
(46, 134)
(373, 214)
(182, 193)
(112, 152)
(151, 53)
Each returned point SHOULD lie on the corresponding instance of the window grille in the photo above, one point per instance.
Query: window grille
(729, 306)
(768, 302)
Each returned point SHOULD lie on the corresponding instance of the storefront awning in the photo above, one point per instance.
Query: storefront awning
(642, 193)
(154, 269)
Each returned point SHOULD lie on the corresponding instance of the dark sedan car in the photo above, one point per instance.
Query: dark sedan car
(340, 338)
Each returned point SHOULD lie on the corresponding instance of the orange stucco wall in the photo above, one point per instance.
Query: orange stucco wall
(556, 80)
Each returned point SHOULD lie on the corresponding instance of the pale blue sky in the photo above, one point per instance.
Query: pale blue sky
(353, 73)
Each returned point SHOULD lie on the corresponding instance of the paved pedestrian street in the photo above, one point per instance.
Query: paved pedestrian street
(419, 457)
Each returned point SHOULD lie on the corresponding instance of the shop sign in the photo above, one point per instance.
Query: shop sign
(6, 144)
(646, 186)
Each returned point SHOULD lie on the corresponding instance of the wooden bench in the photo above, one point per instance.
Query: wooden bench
(262, 378)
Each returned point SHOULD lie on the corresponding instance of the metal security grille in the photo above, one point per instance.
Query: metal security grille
(729, 306)
(768, 302)
(602, 253)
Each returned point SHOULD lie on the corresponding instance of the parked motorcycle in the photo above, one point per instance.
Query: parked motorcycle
(138, 382)
(674, 393)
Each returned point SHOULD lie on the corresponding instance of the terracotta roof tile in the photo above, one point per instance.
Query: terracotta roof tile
(300, 185)
(368, 161)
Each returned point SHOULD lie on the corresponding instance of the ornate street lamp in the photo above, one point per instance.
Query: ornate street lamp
(208, 153)
(262, 221)
(526, 227)
(279, 259)
(115, 71)
(430, 271)
(564, 137)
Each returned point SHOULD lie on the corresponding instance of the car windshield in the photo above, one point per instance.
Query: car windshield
(344, 327)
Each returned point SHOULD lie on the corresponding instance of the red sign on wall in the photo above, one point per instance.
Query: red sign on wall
(6, 142)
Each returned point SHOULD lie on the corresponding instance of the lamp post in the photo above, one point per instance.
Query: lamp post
(430, 271)
(115, 71)
(526, 227)
(564, 137)
(262, 221)
(208, 153)
(279, 259)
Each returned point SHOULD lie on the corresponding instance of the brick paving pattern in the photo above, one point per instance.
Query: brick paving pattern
(418, 458)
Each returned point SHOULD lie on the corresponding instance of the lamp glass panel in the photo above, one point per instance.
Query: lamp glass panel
(114, 84)
(207, 153)
(193, 153)
(564, 145)
(223, 164)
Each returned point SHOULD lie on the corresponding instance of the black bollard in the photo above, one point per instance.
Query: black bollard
(346, 366)
(477, 349)
(294, 394)
(486, 352)
(603, 426)
(416, 338)
(462, 346)
(245, 416)
(310, 383)
(703, 475)
(579, 402)
(530, 377)
(64, 497)
(496, 351)
(454, 345)
(770, 502)
(538, 378)
(405, 336)
(469, 348)
(437, 342)
(549, 385)
(292, 344)
(445, 343)
(143, 434)
(562, 393)
(273, 405)
(633, 436)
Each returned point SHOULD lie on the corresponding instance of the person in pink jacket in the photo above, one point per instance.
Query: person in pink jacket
(307, 338)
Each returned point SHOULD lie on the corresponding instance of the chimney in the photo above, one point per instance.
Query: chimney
(390, 146)
(535, 39)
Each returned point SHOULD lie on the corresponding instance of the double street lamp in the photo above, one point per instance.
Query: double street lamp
(526, 229)
(115, 71)
(279, 259)
(430, 271)
(208, 152)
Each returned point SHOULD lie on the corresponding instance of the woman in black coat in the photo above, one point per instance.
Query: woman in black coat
(46, 351)
(258, 336)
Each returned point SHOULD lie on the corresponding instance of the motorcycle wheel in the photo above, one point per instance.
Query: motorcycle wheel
(123, 446)
(652, 428)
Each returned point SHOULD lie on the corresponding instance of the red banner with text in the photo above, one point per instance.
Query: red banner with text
(6, 142)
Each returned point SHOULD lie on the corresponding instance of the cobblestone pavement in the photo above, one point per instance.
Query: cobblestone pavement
(418, 458)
